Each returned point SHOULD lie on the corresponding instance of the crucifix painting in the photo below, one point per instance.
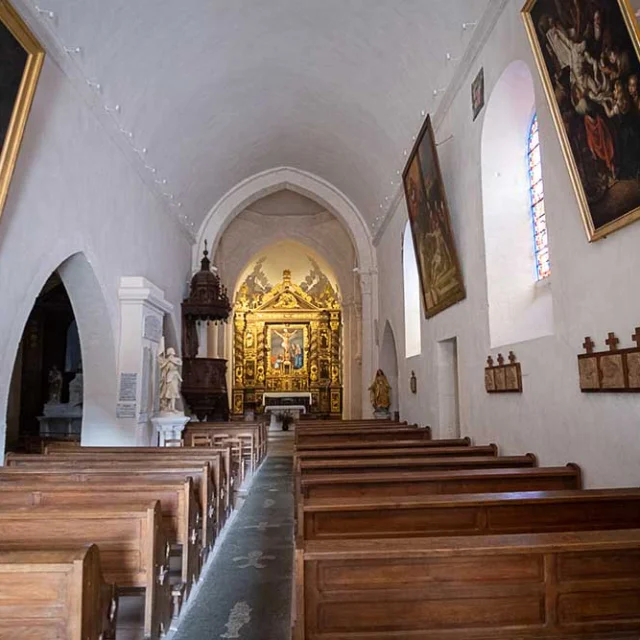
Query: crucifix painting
(287, 348)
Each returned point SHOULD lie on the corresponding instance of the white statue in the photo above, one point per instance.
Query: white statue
(170, 380)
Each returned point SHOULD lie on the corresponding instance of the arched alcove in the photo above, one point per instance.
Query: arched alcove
(362, 307)
(520, 308)
(412, 304)
(389, 365)
(89, 310)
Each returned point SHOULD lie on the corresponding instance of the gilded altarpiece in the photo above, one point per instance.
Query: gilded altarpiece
(288, 338)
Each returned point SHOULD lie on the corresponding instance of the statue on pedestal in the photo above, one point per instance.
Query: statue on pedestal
(380, 393)
(170, 380)
(55, 385)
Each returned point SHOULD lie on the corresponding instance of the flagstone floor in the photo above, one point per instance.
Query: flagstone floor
(245, 590)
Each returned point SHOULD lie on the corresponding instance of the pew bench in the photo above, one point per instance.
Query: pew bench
(134, 550)
(355, 435)
(417, 483)
(377, 444)
(221, 465)
(178, 502)
(470, 514)
(107, 471)
(425, 462)
(384, 451)
(556, 586)
(55, 593)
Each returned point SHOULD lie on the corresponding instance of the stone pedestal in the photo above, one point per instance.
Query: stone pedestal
(61, 421)
(169, 426)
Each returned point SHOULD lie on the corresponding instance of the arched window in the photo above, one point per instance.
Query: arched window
(538, 216)
(411, 282)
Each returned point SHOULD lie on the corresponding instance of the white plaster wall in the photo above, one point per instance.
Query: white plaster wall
(73, 191)
(592, 289)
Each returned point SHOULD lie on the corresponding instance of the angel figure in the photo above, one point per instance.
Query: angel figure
(170, 380)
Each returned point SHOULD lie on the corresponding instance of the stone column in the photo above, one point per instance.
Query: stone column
(369, 289)
(142, 310)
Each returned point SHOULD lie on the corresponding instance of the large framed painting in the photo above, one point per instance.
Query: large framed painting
(287, 348)
(21, 58)
(438, 264)
(587, 52)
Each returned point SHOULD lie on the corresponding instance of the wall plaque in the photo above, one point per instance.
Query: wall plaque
(503, 378)
(152, 329)
(612, 370)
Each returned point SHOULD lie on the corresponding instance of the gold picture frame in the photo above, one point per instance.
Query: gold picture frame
(18, 77)
(600, 165)
(437, 259)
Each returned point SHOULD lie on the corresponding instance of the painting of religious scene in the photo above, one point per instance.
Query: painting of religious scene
(438, 265)
(587, 52)
(287, 348)
(20, 62)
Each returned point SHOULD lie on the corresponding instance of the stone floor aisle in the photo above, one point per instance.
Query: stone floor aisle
(245, 592)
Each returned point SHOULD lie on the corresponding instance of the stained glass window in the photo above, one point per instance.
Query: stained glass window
(538, 216)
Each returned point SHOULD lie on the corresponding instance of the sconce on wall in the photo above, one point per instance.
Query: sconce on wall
(413, 382)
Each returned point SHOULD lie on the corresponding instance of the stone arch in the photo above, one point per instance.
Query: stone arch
(97, 343)
(266, 183)
(389, 364)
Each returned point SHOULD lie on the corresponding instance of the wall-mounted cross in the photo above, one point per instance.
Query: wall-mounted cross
(612, 341)
(589, 344)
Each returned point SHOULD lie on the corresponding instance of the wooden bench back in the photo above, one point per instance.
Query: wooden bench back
(400, 452)
(470, 514)
(178, 502)
(417, 463)
(376, 444)
(536, 586)
(211, 506)
(57, 593)
(407, 483)
(134, 550)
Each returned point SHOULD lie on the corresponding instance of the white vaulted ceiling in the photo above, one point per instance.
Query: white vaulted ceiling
(219, 90)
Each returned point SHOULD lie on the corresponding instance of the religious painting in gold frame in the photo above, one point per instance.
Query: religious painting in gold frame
(588, 56)
(287, 353)
(435, 249)
(21, 58)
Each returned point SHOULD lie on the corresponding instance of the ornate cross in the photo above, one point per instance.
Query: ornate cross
(612, 341)
(589, 344)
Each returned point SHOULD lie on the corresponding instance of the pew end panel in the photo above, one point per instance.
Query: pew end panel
(55, 593)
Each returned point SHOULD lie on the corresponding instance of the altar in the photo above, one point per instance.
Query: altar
(293, 403)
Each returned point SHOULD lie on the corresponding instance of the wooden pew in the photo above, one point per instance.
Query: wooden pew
(220, 465)
(401, 452)
(137, 474)
(420, 483)
(417, 463)
(134, 550)
(218, 462)
(55, 593)
(178, 502)
(470, 514)
(528, 586)
(257, 430)
(357, 436)
(376, 444)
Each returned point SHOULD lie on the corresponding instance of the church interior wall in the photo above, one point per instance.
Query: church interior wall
(591, 286)
(74, 192)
